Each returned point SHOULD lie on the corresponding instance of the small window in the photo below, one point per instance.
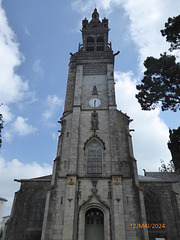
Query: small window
(64, 164)
(100, 48)
(90, 49)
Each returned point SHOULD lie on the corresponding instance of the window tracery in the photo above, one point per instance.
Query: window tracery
(94, 157)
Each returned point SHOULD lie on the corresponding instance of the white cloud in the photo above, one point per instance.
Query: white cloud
(146, 21)
(54, 136)
(151, 133)
(15, 169)
(22, 127)
(7, 115)
(19, 127)
(37, 68)
(7, 136)
(27, 31)
(12, 86)
(53, 103)
(86, 5)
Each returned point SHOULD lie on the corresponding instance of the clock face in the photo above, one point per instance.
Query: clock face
(94, 102)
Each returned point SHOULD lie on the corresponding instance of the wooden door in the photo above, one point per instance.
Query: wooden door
(94, 226)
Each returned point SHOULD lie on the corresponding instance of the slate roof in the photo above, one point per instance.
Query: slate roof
(38, 179)
(160, 177)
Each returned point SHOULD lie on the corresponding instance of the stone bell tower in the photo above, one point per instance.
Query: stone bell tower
(94, 192)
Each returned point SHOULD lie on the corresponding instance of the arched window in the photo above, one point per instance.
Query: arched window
(90, 39)
(94, 224)
(100, 39)
(90, 43)
(94, 157)
(100, 43)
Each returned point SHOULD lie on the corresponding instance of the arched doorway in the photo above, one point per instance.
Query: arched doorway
(94, 224)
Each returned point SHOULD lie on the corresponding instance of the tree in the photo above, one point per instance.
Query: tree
(161, 82)
(174, 147)
(166, 168)
(172, 32)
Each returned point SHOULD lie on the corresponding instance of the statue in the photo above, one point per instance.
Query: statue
(94, 121)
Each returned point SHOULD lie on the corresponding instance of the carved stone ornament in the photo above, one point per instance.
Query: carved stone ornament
(109, 196)
(94, 91)
(94, 121)
(94, 184)
(79, 190)
(71, 180)
(96, 137)
(116, 180)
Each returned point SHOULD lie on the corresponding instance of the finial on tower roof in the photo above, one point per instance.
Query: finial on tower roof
(95, 14)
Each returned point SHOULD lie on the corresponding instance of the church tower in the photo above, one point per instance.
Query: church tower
(94, 193)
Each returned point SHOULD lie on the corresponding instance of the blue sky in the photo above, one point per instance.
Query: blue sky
(36, 38)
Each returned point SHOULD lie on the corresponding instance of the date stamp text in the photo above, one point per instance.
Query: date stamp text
(149, 225)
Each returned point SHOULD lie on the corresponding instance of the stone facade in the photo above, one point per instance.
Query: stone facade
(27, 213)
(94, 191)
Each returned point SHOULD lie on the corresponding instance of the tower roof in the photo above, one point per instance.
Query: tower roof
(95, 34)
(95, 16)
(95, 24)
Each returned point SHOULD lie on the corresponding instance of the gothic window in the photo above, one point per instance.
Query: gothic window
(90, 43)
(90, 39)
(100, 39)
(100, 43)
(94, 157)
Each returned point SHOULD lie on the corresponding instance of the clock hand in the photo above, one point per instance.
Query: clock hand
(94, 103)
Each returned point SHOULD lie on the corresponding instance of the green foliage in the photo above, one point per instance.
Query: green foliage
(172, 32)
(174, 142)
(166, 168)
(161, 83)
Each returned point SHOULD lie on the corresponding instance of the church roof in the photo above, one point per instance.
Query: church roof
(39, 179)
(160, 177)
(172, 176)
(149, 179)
